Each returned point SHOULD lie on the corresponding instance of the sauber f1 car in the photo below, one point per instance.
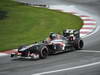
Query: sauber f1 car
(69, 40)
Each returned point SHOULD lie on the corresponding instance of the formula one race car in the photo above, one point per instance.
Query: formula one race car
(69, 40)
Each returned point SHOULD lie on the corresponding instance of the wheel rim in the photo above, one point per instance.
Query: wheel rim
(44, 53)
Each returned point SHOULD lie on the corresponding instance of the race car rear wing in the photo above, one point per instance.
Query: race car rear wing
(77, 33)
(69, 32)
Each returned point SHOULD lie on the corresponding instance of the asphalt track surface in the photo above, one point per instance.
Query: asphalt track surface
(85, 62)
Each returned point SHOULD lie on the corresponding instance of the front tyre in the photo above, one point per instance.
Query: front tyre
(43, 53)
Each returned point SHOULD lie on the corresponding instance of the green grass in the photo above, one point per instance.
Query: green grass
(26, 24)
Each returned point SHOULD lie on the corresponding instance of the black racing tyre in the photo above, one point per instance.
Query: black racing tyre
(44, 53)
(12, 55)
(78, 44)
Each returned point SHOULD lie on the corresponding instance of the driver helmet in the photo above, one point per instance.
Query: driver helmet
(52, 35)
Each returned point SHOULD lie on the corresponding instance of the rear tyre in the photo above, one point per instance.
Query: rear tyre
(78, 44)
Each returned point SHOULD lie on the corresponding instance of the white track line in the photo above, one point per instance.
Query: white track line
(86, 30)
(66, 69)
(89, 21)
(89, 26)
(89, 51)
(87, 18)
(3, 54)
